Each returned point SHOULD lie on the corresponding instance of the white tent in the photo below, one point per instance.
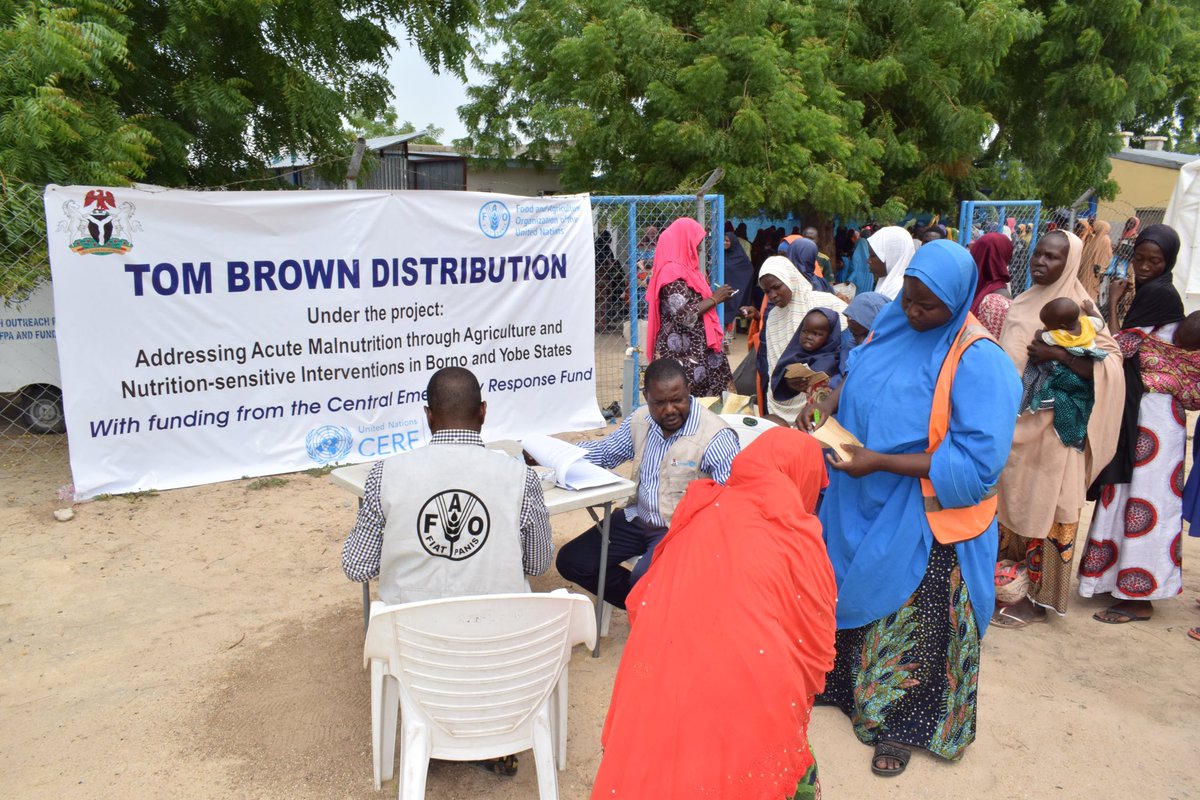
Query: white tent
(1183, 214)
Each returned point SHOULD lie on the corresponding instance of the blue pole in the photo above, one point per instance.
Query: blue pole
(1037, 222)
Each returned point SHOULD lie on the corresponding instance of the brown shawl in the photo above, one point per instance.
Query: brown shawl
(1097, 255)
(1045, 481)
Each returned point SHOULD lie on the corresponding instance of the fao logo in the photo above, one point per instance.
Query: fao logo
(328, 443)
(494, 219)
(453, 524)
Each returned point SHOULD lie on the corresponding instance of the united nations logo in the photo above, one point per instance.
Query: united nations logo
(101, 227)
(453, 524)
(494, 219)
(328, 443)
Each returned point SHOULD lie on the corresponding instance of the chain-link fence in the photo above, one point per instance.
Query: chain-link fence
(1021, 220)
(627, 230)
(30, 400)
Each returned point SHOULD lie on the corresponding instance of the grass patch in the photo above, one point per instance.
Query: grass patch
(319, 472)
(266, 483)
(134, 497)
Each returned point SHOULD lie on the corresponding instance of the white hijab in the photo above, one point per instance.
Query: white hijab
(782, 323)
(894, 247)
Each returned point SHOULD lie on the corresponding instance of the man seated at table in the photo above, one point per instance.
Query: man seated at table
(673, 440)
(452, 518)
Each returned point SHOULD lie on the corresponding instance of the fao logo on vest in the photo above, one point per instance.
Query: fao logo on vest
(453, 524)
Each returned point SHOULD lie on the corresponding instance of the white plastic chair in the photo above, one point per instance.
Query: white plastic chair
(748, 427)
(473, 678)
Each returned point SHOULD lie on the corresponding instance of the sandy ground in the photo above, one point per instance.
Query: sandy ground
(203, 643)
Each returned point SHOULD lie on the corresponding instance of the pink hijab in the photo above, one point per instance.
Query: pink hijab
(675, 258)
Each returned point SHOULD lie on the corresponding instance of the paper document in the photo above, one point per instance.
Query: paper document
(804, 371)
(571, 471)
(833, 435)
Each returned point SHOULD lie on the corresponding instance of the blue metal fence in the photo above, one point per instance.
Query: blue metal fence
(977, 217)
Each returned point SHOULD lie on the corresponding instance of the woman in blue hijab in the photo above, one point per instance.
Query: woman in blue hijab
(803, 253)
(860, 318)
(911, 611)
(859, 272)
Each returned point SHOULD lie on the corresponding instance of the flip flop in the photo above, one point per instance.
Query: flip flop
(890, 750)
(1003, 618)
(1126, 616)
(1194, 633)
(505, 767)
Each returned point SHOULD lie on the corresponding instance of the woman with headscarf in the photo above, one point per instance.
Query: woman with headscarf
(1041, 491)
(714, 691)
(1133, 546)
(891, 250)
(683, 324)
(1118, 268)
(907, 519)
(992, 253)
(859, 270)
(611, 285)
(1097, 255)
(803, 254)
(739, 272)
(789, 299)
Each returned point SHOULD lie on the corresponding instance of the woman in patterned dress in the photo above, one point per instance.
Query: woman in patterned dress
(683, 322)
(993, 254)
(1043, 486)
(911, 611)
(1133, 548)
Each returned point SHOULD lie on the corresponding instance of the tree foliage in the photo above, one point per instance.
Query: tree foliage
(846, 106)
(199, 92)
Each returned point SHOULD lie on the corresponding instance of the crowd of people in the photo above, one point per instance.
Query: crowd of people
(982, 416)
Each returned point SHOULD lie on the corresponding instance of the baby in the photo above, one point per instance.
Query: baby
(1052, 384)
(1187, 335)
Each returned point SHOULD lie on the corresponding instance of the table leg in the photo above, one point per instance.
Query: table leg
(366, 605)
(604, 525)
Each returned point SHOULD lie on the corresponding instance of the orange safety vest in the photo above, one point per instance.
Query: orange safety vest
(951, 525)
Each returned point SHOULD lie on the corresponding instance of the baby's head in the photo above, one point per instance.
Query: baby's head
(1061, 314)
(814, 330)
(1187, 335)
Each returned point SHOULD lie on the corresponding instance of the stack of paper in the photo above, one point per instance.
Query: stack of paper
(804, 371)
(834, 436)
(571, 471)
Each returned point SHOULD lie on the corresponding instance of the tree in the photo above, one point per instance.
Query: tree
(847, 106)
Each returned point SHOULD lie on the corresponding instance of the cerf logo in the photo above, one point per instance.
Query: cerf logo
(101, 227)
(453, 524)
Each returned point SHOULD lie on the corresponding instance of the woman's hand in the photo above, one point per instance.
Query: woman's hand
(1039, 351)
(862, 461)
(797, 384)
(722, 293)
(749, 312)
(813, 415)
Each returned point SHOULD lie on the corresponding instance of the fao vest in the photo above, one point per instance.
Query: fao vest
(453, 515)
(681, 465)
(951, 525)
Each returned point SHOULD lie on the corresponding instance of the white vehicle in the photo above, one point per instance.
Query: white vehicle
(29, 377)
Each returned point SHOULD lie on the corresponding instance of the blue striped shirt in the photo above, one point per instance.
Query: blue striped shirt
(617, 448)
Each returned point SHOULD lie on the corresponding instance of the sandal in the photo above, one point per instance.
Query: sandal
(1005, 618)
(885, 750)
(1194, 633)
(505, 767)
(1123, 616)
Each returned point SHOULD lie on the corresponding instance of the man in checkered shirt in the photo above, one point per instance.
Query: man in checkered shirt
(453, 518)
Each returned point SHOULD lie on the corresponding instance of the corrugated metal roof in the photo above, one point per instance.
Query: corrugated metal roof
(377, 143)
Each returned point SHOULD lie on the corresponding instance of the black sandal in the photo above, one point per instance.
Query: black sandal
(505, 767)
(885, 750)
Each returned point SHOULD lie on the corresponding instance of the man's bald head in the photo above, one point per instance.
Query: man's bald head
(455, 400)
(810, 233)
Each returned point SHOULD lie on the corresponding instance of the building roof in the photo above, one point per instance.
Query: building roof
(1156, 158)
(377, 144)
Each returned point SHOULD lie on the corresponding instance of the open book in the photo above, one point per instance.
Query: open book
(571, 470)
(833, 435)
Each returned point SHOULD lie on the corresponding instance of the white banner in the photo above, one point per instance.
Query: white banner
(207, 336)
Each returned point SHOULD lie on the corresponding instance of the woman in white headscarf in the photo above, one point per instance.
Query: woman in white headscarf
(891, 250)
(789, 299)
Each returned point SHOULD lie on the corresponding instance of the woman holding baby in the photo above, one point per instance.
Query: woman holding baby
(1042, 488)
(1133, 548)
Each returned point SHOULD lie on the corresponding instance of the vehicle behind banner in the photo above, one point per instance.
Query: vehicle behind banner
(206, 336)
(29, 376)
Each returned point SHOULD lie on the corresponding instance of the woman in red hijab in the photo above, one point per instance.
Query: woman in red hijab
(993, 253)
(683, 324)
(732, 632)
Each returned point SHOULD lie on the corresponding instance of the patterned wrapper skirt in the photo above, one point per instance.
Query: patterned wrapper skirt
(912, 677)
(1134, 544)
(1048, 562)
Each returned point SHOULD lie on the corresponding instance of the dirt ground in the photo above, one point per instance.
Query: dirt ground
(204, 643)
